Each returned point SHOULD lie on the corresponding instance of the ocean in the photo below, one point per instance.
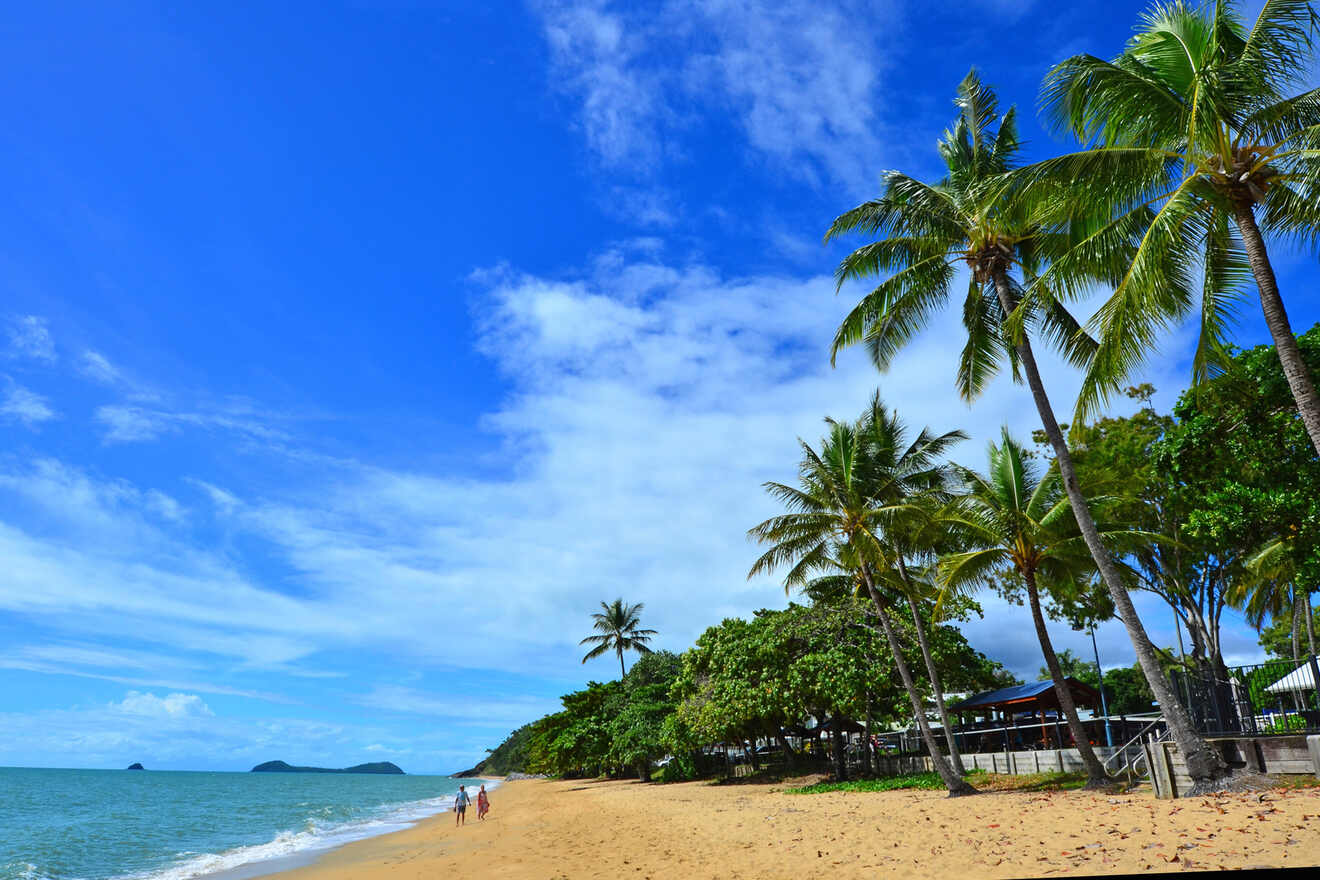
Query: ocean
(170, 825)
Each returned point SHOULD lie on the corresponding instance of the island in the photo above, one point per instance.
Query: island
(135, 766)
(282, 767)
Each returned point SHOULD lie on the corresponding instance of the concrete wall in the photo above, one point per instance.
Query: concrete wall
(1283, 755)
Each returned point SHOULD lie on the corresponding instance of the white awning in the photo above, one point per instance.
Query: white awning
(1300, 679)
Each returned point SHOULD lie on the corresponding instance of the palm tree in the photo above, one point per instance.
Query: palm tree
(833, 514)
(895, 585)
(618, 629)
(1198, 150)
(1271, 589)
(975, 216)
(912, 527)
(1016, 519)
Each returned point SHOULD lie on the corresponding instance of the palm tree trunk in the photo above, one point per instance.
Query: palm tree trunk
(1204, 765)
(1095, 772)
(868, 769)
(1296, 627)
(1310, 625)
(790, 756)
(1276, 317)
(840, 754)
(952, 780)
(949, 737)
(622, 673)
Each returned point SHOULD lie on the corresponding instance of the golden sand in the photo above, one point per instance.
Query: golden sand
(583, 829)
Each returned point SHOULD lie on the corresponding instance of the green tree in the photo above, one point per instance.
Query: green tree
(618, 629)
(1016, 518)
(1072, 666)
(1154, 471)
(977, 217)
(835, 506)
(747, 679)
(910, 488)
(1128, 691)
(638, 733)
(1247, 483)
(1200, 148)
(576, 740)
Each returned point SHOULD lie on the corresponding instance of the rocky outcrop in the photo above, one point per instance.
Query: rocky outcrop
(282, 767)
(135, 766)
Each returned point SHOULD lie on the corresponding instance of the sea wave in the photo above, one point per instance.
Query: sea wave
(315, 837)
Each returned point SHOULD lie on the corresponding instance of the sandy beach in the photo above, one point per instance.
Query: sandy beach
(585, 829)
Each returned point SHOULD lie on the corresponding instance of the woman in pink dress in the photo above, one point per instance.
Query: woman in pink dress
(483, 803)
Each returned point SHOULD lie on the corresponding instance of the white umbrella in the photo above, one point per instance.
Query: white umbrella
(1300, 679)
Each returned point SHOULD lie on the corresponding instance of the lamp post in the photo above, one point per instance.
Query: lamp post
(1104, 705)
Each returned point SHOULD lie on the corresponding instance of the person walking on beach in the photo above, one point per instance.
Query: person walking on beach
(460, 806)
(483, 803)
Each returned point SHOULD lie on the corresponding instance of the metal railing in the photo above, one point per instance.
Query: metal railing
(1132, 759)
(1277, 697)
(1024, 736)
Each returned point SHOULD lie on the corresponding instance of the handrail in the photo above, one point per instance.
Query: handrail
(1130, 761)
(1122, 750)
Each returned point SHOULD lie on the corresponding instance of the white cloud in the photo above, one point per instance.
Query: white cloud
(133, 424)
(29, 337)
(224, 502)
(649, 402)
(98, 368)
(130, 423)
(169, 706)
(802, 81)
(21, 405)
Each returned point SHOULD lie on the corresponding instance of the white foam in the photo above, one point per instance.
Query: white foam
(314, 838)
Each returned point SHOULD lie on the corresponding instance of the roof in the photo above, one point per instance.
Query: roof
(1025, 693)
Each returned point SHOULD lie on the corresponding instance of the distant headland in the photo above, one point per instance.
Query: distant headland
(281, 767)
(136, 766)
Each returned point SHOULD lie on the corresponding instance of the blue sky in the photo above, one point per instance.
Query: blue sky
(351, 353)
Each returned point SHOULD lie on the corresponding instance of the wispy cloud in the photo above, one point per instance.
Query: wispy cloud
(457, 708)
(648, 401)
(98, 368)
(174, 729)
(132, 423)
(802, 82)
(29, 337)
(22, 405)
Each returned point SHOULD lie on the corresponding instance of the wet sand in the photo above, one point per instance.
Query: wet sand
(586, 829)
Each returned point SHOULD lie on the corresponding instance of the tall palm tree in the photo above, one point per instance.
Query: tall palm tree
(1201, 150)
(618, 629)
(912, 528)
(835, 507)
(1014, 518)
(896, 584)
(976, 217)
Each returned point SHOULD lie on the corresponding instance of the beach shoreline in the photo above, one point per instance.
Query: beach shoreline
(585, 828)
(283, 864)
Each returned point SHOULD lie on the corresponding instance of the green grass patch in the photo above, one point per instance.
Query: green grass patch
(925, 781)
(980, 779)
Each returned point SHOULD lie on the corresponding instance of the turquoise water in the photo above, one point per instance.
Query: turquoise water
(161, 825)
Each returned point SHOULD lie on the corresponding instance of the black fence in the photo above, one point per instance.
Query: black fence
(1279, 697)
